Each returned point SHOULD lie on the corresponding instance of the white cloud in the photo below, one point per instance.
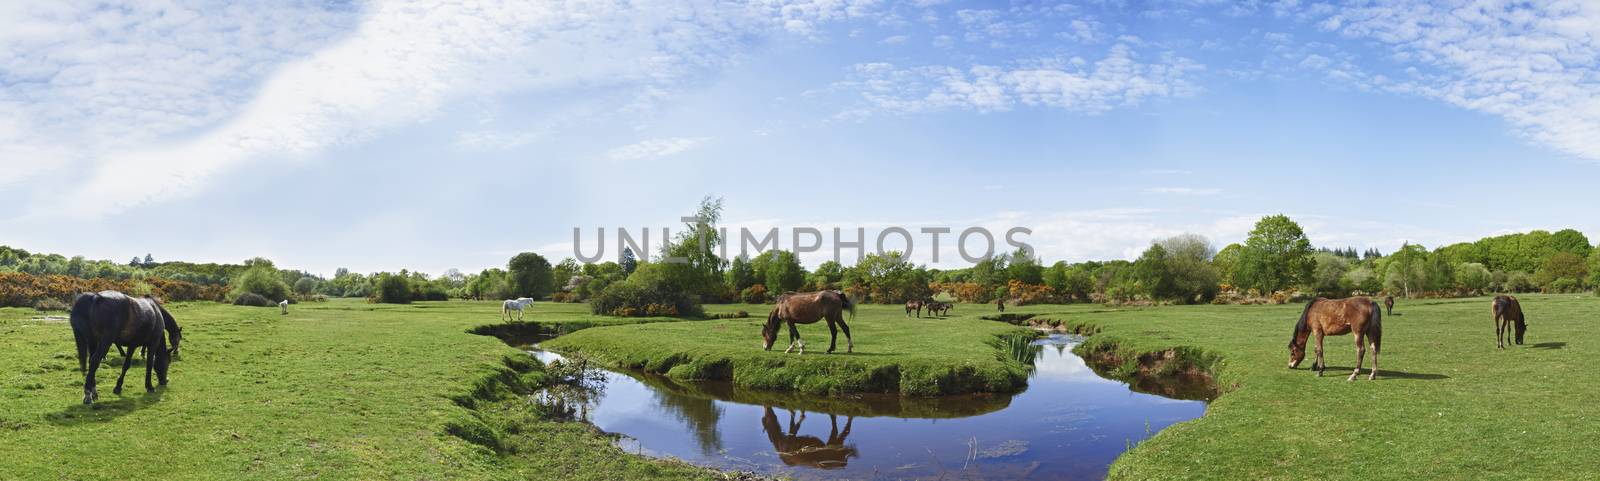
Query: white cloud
(1117, 80)
(654, 148)
(492, 140)
(1183, 191)
(1534, 64)
(267, 94)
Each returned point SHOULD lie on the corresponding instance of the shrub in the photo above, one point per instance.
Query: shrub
(645, 294)
(391, 289)
(1563, 285)
(755, 294)
(252, 299)
(49, 304)
(733, 315)
(261, 280)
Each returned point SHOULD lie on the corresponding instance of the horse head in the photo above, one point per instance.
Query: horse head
(769, 332)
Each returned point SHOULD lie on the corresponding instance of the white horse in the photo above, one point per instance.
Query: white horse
(514, 304)
(284, 304)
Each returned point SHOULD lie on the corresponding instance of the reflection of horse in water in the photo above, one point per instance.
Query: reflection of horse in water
(797, 450)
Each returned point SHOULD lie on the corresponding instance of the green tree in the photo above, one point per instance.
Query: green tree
(828, 275)
(305, 285)
(1327, 278)
(530, 275)
(1227, 262)
(1406, 269)
(562, 274)
(1571, 241)
(1472, 276)
(1275, 255)
(740, 274)
(1024, 267)
(629, 262)
(782, 272)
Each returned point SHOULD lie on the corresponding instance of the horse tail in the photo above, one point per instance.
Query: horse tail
(1303, 323)
(78, 318)
(848, 306)
(1375, 326)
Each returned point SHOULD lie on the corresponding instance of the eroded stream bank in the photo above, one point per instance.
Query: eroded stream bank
(1070, 423)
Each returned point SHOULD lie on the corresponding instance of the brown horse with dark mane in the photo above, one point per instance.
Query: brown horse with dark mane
(1337, 317)
(1506, 311)
(809, 308)
(1388, 305)
(914, 305)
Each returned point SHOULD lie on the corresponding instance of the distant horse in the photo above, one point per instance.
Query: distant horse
(914, 305)
(100, 320)
(284, 306)
(1337, 317)
(517, 304)
(796, 450)
(943, 308)
(1506, 311)
(1388, 305)
(1000, 303)
(809, 308)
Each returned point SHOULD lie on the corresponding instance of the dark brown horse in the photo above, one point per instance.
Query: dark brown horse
(809, 308)
(796, 450)
(1506, 311)
(914, 305)
(1337, 317)
(1388, 305)
(941, 309)
(109, 317)
(1001, 304)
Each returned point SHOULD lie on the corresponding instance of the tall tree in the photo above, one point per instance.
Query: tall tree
(530, 275)
(1275, 255)
(629, 262)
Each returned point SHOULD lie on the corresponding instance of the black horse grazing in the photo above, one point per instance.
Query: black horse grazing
(1506, 311)
(102, 319)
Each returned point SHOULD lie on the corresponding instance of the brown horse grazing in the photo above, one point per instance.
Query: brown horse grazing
(936, 308)
(1337, 317)
(796, 450)
(1506, 311)
(806, 309)
(1388, 305)
(914, 305)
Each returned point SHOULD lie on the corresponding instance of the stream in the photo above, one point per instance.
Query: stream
(1069, 424)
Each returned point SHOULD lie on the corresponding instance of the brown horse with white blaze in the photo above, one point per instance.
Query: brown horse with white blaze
(809, 308)
(1337, 317)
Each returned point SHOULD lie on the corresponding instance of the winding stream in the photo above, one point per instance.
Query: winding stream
(1069, 424)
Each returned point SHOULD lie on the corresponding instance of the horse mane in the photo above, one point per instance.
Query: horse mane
(1302, 324)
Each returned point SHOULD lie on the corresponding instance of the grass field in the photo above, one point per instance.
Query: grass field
(1446, 404)
(347, 390)
(337, 390)
(893, 353)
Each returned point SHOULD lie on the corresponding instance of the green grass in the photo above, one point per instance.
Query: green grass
(337, 390)
(893, 353)
(347, 390)
(1446, 405)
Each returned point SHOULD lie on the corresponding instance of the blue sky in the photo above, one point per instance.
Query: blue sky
(387, 135)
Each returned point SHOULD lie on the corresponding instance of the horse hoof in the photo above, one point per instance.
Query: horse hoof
(116, 391)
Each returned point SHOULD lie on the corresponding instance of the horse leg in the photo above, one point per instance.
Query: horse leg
(1374, 373)
(149, 367)
(794, 340)
(833, 336)
(1317, 365)
(95, 358)
(127, 361)
(849, 344)
(1499, 332)
(1361, 355)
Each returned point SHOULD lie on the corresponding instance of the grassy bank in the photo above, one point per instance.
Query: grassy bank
(337, 390)
(1446, 405)
(893, 353)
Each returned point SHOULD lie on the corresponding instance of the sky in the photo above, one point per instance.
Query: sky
(433, 135)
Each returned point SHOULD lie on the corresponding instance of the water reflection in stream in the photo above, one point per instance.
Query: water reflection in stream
(1069, 424)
